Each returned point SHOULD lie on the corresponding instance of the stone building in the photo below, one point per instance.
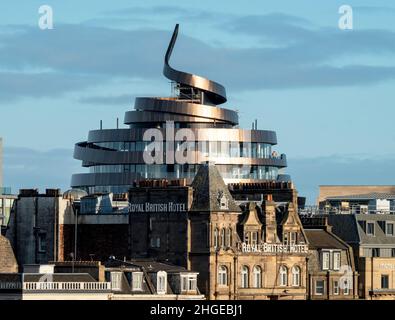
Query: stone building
(271, 256)
(331, 268)
(255, 252)
(49, 226)
(372, 237)
(34, 228)
(92, 280)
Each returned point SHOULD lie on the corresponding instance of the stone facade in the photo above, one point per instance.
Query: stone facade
(33, 229)
(377, 278)
(331, 269)
(8, 263)
(348, 190)
(209, 236)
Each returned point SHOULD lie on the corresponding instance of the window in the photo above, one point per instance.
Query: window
(116, 280)
(285, 239)
(254, 241)
(137, 281)
(346, 289)
(229, 238)
(393, 252)
(257, 275)
(336, 260)
(390, 229)
(155, 242)
(375, 252)
(384, 281)
(161, 282)
(336, 288)
(223, 237)
(42, 242)
(223, 276)
(319, 287)
(370, 228)
(283, 276)
(293, 236)
(216, 237)
(247, 237)
(325, 260)
(295, 276)
(244, 276)
(188, 282)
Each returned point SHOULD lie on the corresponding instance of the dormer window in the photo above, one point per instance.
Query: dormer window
(293, 238)
(189, 282)
(254, 240)
(285, 239)
(222, 201)
(389, 229)
(370, 229)
(116, 280)
(161, 282)
(137, 281)
(247, 237)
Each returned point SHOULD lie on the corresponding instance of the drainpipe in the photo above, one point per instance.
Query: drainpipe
(328, 278)
(371, 277)
(216, 275)
(307, 279)
(235, 278)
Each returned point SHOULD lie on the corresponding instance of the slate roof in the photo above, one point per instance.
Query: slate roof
(380, 237)
(207, 186)
(345, 227)
(154, 266)
(59, 277)
(368, 196)
(350, 228)
(321, 239)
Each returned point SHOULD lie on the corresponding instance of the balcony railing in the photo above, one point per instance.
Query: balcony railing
(5, 191)
(67, 286)
(315, 210)
(10, 285)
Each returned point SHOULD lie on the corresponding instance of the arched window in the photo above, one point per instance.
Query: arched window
(283, 276)
(223, 237)
(296, 276)
(244, 277)
(229, 238)
(216, 238)
(223, 276)
(257, 276)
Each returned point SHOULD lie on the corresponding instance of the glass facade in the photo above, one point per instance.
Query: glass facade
(232, 149)
(179, 171)
(5, 210)
(195, 104)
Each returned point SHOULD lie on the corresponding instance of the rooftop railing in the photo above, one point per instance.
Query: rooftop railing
(5, 190)
(56, 286)
(67, 286)
(316, 210)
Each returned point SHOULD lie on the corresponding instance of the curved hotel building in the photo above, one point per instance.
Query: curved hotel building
(115, 157)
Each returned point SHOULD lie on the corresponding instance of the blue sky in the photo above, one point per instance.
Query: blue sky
(327, 92)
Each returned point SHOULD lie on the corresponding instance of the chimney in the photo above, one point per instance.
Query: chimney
(270, 220)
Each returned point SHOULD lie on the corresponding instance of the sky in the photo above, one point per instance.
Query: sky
(327, 92)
